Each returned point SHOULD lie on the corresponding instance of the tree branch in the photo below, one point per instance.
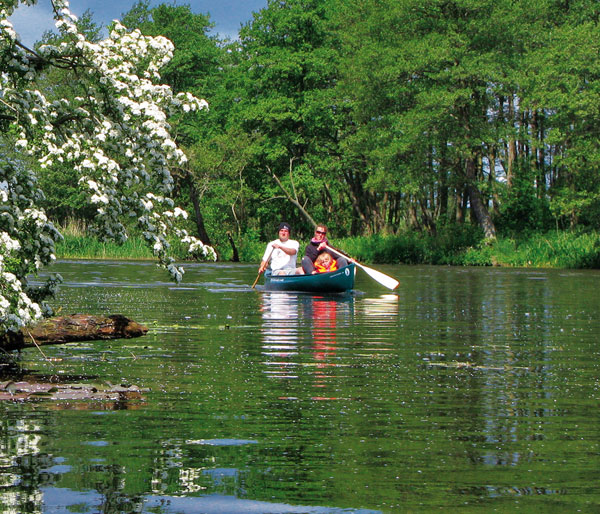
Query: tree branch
(293, 200)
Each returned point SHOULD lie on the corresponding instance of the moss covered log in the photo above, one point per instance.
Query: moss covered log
(73, 328)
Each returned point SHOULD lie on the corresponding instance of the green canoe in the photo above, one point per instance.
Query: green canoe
(338, 281)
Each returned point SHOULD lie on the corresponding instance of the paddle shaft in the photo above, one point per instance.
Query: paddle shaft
(258, 276)
(382, 278)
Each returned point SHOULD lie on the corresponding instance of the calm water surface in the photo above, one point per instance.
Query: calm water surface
(468, 389)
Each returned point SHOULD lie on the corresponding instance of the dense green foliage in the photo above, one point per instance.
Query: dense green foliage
(433, 126)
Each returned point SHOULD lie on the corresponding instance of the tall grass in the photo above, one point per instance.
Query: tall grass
(78, 244)
(467, 247)
(86, 247)
(570, 250)
(412, 247)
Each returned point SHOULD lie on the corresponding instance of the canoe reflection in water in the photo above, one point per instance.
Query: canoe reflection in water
(324, 316)
(300, 338)
(280, 327)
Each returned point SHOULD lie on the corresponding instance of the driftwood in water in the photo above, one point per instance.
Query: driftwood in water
(69, 329)
(27, 391)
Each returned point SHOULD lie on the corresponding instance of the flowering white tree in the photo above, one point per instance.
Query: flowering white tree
(114, 133)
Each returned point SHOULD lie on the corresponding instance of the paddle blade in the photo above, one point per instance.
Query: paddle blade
(382, 278)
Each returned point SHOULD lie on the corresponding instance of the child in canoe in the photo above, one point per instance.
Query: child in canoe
(325, 263)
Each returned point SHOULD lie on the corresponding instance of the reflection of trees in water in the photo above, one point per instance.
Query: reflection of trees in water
(112, 498)
(488, 339)
(25, 471)
(21, 463)
(189, 467)
(26, 466)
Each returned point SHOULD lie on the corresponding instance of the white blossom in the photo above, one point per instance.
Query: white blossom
(180, 212)
(120, 138)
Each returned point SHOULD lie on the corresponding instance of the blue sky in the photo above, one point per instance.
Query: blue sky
(227, 15)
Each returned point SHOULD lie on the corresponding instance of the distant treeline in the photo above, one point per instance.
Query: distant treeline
(419, 119)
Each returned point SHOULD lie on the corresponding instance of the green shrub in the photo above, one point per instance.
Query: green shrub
(541, 250)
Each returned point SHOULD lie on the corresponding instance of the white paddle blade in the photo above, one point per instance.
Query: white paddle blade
(382, 278)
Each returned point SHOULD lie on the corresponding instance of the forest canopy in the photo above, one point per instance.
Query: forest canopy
(382, 116)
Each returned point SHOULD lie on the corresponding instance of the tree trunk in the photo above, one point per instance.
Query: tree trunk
(460, 205)
(492, 180)
(356, 197)
(442, 207)
(236, 257)
(202, 234)
(68, 329)
(428, 221)
(540, 156)
(413, 220)
(512, 145)
(477, 204)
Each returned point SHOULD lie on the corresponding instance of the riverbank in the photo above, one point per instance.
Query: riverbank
(555, 249)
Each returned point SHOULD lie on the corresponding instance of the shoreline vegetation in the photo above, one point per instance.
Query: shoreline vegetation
(553, 249)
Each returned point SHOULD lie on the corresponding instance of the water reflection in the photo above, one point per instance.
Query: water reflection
(324, 316)
(322, 313)
(20, 449)
(56, 499)
(384, 308)
(300, 337)
(280, 328)
(468, 387)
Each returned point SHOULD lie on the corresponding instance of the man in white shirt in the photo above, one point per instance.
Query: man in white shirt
(282, 253)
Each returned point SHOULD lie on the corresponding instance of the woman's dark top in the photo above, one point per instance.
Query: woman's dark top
(311, 249)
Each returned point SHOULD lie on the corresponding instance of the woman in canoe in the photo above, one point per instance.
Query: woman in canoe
(316, 247)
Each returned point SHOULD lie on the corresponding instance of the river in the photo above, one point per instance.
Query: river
(467, 389)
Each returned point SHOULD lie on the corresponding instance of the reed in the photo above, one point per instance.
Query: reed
(571, 250)
(79, 244)
(73, 227)
(555, 249)
(87, 247)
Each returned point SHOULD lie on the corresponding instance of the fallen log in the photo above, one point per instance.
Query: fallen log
(70, 329)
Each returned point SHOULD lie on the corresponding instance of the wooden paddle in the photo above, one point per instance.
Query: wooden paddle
(258, 276)
(382, 278)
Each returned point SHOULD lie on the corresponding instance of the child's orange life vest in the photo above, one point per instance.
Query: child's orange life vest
(322, 269)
